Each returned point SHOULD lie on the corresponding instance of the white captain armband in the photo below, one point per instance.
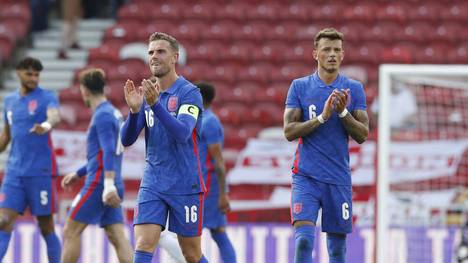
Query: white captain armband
(191, 110)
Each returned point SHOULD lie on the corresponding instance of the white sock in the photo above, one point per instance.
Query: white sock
(168, 241)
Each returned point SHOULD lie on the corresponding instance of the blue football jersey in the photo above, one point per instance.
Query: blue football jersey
(31, 154)
(104, 149)
(324, 154)
(173, 167)
(212, 133)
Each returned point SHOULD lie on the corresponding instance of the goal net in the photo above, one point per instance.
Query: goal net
(422, 181)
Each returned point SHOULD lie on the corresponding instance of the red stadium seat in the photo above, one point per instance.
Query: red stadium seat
(456, 11)
(232, 113)
(290, 71)
(447, 32)
(415, 32)
(393, 11)
(458, 55)
(283, 31)
(189, 30)
(236, 11)
(328, 12)
(156, 25)
(297, 11)
(195, 71)
(307, 32)
(16, 10)
(208, 51)
(264, 11)
(114, 92)
(270, 52)
(274, 94)
(222, 30)
(18, 26)
(300, 52)
(204, 11)
(128, 32)
(224, 72)
(353, 31)
(242, 93)
(134, 69)
(252, 31)
(361, 11)
(433, 53)
(141, 12)
(238, 52)
(256, 72)
(425, 11)
(104, 52)
(267, 114)
(385, 32)
(171, 11)
(70, 95)
(397, 54)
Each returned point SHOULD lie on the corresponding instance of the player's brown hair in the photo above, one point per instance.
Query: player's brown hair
(94, 79)
(329, 33)
(163, 36)
(29, 63)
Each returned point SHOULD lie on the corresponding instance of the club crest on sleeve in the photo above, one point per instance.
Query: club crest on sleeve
(32, 106)
(297, 208)
(172, 103)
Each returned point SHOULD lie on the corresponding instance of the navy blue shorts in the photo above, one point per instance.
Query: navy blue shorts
(185, 211)
(36, 192)
(309, 195)
(213, 217)
(88, 208)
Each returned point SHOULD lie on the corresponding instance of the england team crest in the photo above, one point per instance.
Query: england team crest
(297, 208)
(172, 103)
(32, 106)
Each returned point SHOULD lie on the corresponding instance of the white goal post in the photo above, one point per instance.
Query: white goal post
(387, 74)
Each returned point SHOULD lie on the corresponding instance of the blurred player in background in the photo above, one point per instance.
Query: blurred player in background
(30, 114)
(214, 174)
(170, 110)
(99, 200)
(317, 114)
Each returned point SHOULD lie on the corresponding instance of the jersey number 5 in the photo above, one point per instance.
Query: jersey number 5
(191, 214)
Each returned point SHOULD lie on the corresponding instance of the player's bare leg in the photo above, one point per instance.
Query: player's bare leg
(7, 223)
(304, 236)
(47, 227)
(7, 219)
(116, 235)
(146, 239)
(191, 248)
(72, 240)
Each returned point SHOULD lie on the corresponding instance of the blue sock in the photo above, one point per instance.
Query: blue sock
(54, 249)
(225, 246)
(4, 240)
(203, 260)
(142, 257)
(336, 244)
(304, 236)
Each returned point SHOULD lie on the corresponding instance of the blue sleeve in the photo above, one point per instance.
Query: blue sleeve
(359, 98)
(182, 126)
(132, 127)
(108, 134)
(213, 132)
(292, 100)
(53, 101)
(82, 171)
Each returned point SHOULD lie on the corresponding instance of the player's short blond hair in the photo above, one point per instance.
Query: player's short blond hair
(94, 79)
(163, 36)
(329, 33)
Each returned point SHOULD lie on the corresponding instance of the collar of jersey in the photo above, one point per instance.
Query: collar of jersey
(173, 88)
(36, 90)
(321, 84)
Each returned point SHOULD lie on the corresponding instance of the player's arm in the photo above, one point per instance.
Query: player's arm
(356, 123)
(5, 137)
(108, 140)
(215, 151)
(293, 126)
(71, 178)
(132, 127)
(53, 118)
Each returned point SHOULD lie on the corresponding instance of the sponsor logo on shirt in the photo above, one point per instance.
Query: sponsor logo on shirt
(172, 103)
(32, 106)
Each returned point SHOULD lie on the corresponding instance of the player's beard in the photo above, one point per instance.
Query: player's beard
(29, 86)
(331, 69)
(161, 72)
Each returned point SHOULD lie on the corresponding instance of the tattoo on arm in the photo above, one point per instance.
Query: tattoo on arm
(357, 125)
(293, 126)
